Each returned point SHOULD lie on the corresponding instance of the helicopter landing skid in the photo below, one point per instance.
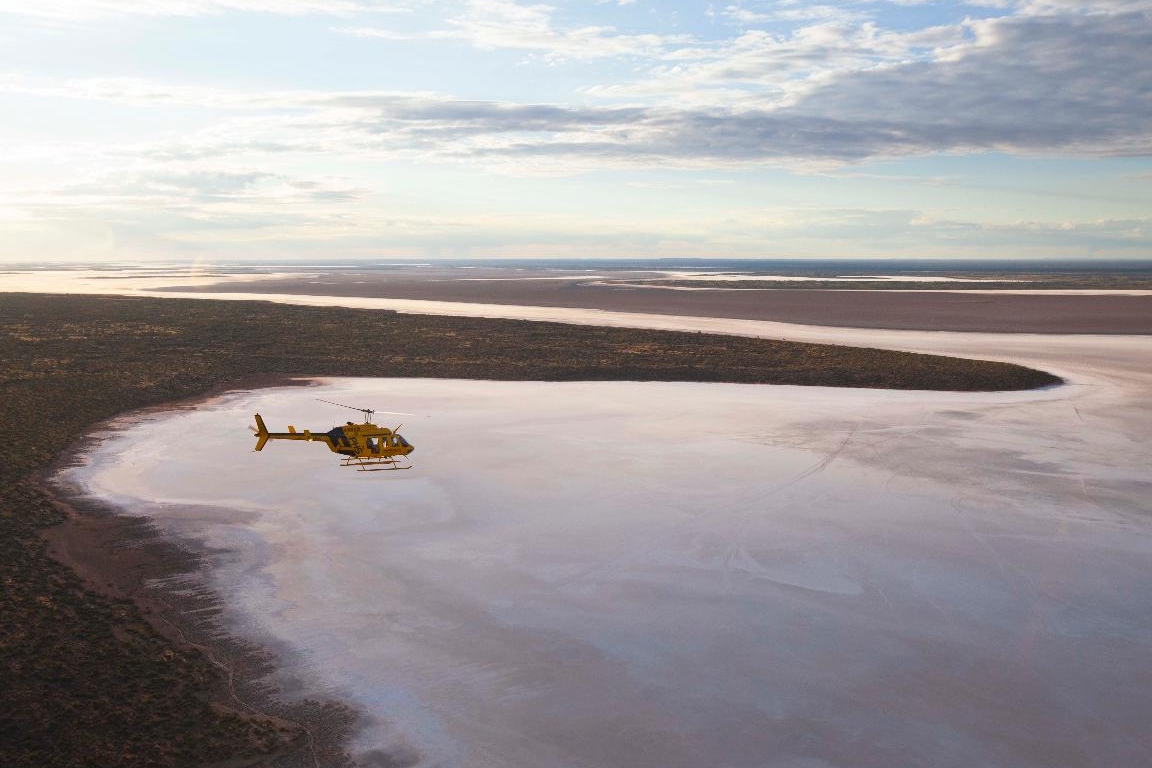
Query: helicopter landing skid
(373, 465)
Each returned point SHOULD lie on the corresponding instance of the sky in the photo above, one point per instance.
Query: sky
(317, 129)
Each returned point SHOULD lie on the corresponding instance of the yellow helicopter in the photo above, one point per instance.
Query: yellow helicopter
(365, 446)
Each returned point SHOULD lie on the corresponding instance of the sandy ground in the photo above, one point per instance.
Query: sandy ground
(616, 574)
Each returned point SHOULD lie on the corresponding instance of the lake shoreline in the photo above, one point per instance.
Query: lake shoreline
(121, 555)
(845, 441)
(103, 537)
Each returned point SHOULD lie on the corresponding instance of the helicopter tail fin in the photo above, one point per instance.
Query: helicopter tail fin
(261, 433)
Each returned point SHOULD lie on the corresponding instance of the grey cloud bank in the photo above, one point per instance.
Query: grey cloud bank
(1066, 84)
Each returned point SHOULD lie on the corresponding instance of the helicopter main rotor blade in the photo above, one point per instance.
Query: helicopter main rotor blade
(352, 407)
(368, 410)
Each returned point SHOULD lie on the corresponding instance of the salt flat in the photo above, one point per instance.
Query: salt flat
(517, 293)
(625, 574)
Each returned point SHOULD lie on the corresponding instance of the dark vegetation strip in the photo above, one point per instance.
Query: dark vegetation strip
(84, 679)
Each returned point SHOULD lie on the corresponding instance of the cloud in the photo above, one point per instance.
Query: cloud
(743, 15)
(1058, 85)
(175, 210)
(78, 10)
(1079, 7)
(770, 69)
(868, 232)
(503, 24)
(189, 193)
(1073, 84)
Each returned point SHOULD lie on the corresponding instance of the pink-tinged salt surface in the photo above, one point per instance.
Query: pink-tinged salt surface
(135, 280)
(625, 574)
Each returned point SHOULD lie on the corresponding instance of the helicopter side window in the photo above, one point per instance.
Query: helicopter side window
(373, 445)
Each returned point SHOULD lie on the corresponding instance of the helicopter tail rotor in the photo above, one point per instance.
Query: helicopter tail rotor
(261, 433)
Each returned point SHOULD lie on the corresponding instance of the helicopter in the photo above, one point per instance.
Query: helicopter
(365, 446)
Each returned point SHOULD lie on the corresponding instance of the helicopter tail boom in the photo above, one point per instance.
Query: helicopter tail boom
(263, 436)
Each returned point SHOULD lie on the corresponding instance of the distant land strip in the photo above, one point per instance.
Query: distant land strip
(929, 307)
(87, 677)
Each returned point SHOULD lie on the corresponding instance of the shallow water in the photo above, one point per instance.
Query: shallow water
(623, 574)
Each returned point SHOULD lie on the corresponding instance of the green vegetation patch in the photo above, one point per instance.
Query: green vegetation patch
(84, 679)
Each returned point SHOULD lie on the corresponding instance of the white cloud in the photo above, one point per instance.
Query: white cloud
(744, 15)
(1080, 7)
(1072, 85)
(91, 9)
(187, 188)
(768, 70)
(174, 209)
(503, 24)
